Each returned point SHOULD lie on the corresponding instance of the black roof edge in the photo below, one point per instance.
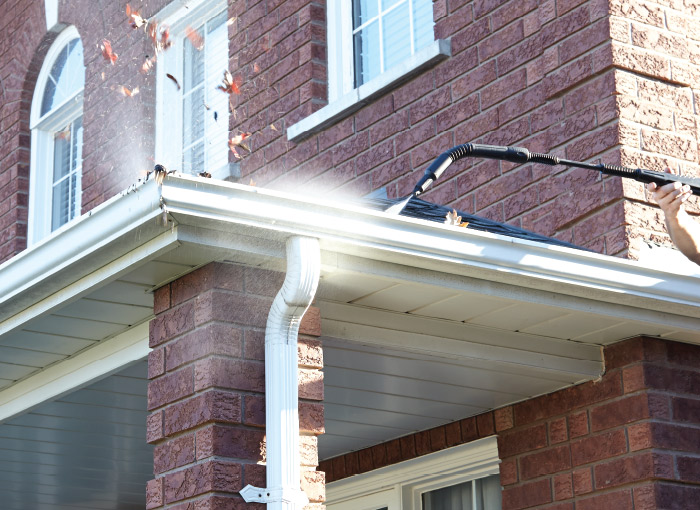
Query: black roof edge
(421, 209)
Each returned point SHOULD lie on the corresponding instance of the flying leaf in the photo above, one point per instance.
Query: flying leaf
(256, 68)
(237, 141)
(205, 174)
(229, 84)
(231, 21)
(252, 182)
(107, 52)
(126, 91)
(174, 80)
(148, 64)
(160, 36)
(272, 126)
(194, 37)
(135, 18)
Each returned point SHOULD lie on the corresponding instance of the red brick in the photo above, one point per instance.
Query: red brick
(453, 434)
(313, 483)
(156, 363)
(545, 462)
(310, 384)
(230, 442)
(254, 410)
(558, 431)
(173, 453)
(503, 418)
(599, 447)
(202, 478)
(527, 495)
(243, 309)
(311, 322)
(311, 418)
(154, 493)
(562, 487)
(170, 388)
(203, 408)
(170, 324)
(154, 427)
(216, 339)
(667, 496)
(521, 440)
(230, 374)
(620, 412)
(485, 424)
(161, 299)
(632, 469)
(688, 469)
(509, 472)
(582, 481)
(620, 500)
(215, 275)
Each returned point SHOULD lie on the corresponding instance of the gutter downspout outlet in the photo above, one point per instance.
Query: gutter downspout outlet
(283, 491)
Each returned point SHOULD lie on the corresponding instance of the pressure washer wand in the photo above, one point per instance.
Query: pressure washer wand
(522, 155)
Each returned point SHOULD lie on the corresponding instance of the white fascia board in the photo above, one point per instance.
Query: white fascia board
(64, 377)
(348, 228)
(85, 244)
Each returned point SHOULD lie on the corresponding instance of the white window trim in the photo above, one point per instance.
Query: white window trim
(40, 197)
(400, 486)
(177, 15)
(343, 99)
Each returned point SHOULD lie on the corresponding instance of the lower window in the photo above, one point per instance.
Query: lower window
(464, 477)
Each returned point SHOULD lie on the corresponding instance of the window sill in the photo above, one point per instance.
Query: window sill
(361, 96)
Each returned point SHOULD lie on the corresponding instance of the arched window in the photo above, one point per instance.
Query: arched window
(56, 121)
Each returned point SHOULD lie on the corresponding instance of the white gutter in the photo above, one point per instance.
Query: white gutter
(74, 250)
(348, 228)
(281, 385)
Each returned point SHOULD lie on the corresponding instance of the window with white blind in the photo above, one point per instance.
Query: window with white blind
(57, 138)
(373, 45)
(193, 115)
(464, 477)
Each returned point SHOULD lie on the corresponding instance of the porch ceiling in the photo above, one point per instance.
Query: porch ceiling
(422, 324)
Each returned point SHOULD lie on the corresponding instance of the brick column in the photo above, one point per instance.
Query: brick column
(628, 441)
(207, 388)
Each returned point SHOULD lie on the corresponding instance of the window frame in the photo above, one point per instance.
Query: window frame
(400, 486)
(343, 98)
(168, 139)
(43, 127)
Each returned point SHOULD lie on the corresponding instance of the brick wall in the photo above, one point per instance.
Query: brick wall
(207, 385)
(628, 441)
(588, 79)
(22, 48)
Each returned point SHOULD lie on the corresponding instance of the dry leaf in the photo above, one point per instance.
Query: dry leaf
(237, 141)
(148, 64)
(252, 182)
(205, 174)
(135, 18)
(194, 37)
(107, 52)
(256, 68)
(160, 36)
(231, 21)
(126, 92)
(452, 218)
(272, 126)
(229, 84)
(174, 80)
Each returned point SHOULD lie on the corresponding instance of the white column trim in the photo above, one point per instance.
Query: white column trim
(51, 11)
(281, 385)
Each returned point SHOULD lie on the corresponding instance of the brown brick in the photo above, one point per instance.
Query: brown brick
(522, 440)
(599, 447)
(173, 453)
(215, 275)
(230, 442)
(545, 462)
(170, 324)
(503, 418)
(562, 486)
(161, 299)
(210, 406)
(583, 481)
(243, 309)
(230, 374)
(216, 339)
(527, 495)
(202, 478)
(156, 363)
(169, 388)
(619, 500)
(485, 424)
(558, 431)
(509, 472)
(154, 427)
(644, 466)
(688, 469)
(311, 418)
(154, 493)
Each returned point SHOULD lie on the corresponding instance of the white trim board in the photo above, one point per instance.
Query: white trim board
(84, 368)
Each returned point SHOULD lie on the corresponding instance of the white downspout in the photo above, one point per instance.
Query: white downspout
(281, 385)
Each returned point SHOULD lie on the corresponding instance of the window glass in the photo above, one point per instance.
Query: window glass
(67, 149)
(480, 494)
(66, 78)
(387, 32)
(205, 110)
